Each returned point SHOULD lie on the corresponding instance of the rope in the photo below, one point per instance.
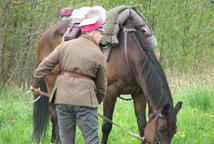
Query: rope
(125, 130)
(102, 116)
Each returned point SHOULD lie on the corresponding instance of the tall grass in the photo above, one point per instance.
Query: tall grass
(195, 121)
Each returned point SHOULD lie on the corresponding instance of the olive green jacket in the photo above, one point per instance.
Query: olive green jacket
(83, 56)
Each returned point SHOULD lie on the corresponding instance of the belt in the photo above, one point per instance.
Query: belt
(75, 75)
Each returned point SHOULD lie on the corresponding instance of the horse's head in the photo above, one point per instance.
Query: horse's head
(162, 125)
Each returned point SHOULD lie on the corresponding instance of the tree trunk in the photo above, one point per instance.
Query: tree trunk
(3, 35)
(11, 56)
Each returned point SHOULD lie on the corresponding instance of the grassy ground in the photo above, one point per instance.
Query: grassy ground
(195, 120)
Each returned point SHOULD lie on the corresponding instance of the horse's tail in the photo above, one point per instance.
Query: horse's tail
(40, 115)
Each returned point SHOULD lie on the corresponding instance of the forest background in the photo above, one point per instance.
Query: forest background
(184, 30)
(185, 33)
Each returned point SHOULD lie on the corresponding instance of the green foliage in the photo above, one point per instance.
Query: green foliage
(201, 100)
(184, 30)
(15, 116)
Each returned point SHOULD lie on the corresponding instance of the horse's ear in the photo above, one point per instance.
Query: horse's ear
(165, 110)
(178, 107)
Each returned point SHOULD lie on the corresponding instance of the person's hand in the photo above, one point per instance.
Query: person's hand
(36, 91)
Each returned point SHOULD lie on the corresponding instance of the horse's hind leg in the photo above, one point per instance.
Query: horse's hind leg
(55, 129)
(140, 106)
(108, 109)
(50, 80)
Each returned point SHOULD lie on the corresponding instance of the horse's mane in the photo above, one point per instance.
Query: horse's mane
(151, 71)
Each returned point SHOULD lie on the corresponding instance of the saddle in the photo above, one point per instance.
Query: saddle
(117, 17)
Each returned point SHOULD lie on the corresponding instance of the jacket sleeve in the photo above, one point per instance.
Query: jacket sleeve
(101, 81)
(45, 67)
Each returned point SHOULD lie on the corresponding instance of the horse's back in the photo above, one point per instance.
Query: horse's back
(51, 39)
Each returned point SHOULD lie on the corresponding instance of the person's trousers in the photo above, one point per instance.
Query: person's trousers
(85, 117)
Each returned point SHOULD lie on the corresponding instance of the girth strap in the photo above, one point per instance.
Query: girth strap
(126, 31)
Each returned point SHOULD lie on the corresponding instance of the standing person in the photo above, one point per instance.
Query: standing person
(82, 84)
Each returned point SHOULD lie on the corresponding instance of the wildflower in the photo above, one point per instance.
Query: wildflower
(183, 135)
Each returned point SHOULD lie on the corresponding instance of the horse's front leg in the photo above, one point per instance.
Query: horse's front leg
(108, 109)
(140, 107)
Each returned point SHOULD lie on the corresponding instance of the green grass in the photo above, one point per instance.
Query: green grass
(195, 120)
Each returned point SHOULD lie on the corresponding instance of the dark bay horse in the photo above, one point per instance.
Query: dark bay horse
(132, 69)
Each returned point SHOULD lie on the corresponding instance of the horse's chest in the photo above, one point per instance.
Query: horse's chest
(111, 75)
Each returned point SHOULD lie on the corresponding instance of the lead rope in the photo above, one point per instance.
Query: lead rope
(38, 97)
(102, 116)
(125, 130)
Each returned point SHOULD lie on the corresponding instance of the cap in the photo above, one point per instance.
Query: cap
(91, 24)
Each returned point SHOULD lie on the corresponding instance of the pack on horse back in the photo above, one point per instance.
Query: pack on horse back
(73, 31)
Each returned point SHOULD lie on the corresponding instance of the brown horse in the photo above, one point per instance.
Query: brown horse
(132, 69)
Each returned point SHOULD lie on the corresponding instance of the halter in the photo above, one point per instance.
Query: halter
(157, 140)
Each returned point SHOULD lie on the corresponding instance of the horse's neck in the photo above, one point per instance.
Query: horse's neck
(148, 74)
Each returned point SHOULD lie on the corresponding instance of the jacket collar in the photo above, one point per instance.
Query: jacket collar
(89, 38)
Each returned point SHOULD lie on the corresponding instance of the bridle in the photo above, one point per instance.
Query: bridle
(157, 137)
